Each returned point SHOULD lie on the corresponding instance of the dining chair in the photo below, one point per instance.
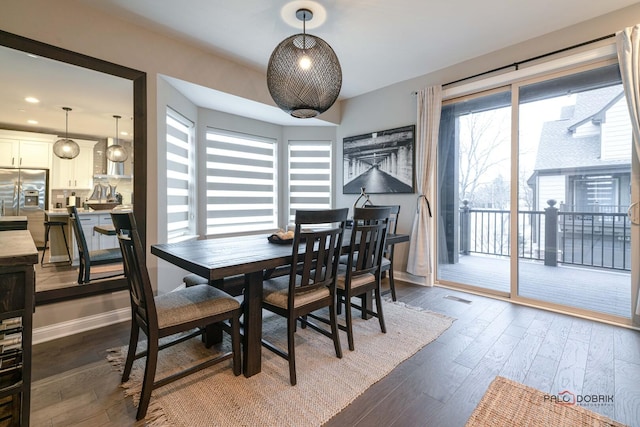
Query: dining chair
(311, 282)
(198, 310)
(361, 274)
(387, 259)
(87, 257)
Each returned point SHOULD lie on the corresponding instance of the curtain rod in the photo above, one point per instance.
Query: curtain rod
(516, 65)
(535, 58)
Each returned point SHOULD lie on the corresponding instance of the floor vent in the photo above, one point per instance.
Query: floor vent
(451, 297)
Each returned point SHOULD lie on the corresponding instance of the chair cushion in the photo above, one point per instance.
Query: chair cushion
(194, 279)
(355, 281)
(385, 264)
(344, 259)
(276, 291)
(106, 254)
(192, 303)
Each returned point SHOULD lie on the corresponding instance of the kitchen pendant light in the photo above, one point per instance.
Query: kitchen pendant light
(304, 75)
(66, 148)
(116, 152)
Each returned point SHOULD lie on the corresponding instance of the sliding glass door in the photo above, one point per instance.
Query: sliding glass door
(474, 168)
(534, 183)
(574, 177)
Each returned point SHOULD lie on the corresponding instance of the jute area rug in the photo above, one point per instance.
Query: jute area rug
(511, 404)
(326, 384)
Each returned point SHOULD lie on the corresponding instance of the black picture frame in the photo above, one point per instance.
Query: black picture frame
(381, 162)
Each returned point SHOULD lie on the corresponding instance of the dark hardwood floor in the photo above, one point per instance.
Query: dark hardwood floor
(439, 386)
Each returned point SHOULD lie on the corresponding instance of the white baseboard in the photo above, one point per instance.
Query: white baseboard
(75, 326)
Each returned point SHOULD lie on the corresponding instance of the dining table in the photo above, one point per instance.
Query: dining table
(251, 256)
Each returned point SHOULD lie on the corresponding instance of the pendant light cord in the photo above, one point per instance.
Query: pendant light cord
(304, 31)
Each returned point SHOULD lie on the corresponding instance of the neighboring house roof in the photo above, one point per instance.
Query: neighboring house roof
(560, 149)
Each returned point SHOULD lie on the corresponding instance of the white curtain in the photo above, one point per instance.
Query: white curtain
(628, 45)
(428, 124)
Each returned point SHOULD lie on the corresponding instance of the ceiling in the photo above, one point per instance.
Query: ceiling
(379, 43)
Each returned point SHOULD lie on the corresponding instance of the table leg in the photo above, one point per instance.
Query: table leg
(252, 322)
(367, 304)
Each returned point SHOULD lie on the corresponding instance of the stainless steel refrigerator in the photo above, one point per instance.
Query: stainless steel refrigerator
(24, 192)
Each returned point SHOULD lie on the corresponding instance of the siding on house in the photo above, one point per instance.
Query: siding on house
(616, 132)
(551, 187)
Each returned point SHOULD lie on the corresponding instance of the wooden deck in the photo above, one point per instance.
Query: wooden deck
(599, 290)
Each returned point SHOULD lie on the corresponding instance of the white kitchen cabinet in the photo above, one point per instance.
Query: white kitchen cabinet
(76, 173)
(107, 242)
(24, 153)
(95, 240)
(92, 238)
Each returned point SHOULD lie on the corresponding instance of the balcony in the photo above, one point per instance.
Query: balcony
(581, 259)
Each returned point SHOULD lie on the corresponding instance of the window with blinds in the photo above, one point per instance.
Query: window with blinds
(180, 222)
(309, 176)
(241, 183)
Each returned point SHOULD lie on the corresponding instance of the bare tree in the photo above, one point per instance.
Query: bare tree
(484, 150)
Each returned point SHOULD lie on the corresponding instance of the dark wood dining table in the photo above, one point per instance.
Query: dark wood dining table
(250, 256)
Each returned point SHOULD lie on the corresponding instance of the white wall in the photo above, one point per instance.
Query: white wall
(74, 26)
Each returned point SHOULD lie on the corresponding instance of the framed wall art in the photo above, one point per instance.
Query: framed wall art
(381, 162)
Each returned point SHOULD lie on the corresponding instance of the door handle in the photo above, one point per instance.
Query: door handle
(632, 213)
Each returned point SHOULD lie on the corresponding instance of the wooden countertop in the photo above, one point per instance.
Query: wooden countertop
(17, 248)
(64, 213)
(13, 218)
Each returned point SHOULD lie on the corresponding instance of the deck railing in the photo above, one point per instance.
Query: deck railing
(595, 239)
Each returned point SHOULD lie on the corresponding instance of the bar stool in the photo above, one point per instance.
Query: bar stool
(48, 225)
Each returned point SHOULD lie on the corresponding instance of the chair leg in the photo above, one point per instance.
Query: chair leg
(66, 244)
(46, 240)
(149, 374)
(333, 318)
(81, 271)
(87, 272)
(131, 352)
(347, 315)
(291, 347)
(383, 328)
(392, 284)
(235, 344)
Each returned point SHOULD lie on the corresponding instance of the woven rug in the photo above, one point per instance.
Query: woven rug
(511, 404)
(326, 384)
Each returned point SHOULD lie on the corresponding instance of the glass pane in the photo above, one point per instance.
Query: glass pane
(241, 183)
(474, 170)
(574, 190)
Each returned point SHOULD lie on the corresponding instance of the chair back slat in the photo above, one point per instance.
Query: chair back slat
(319, 234)
(76, 226)
(368, 239)
(394, 214)
(135, 269)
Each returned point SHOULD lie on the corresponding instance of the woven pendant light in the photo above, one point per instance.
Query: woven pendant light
(304, 75)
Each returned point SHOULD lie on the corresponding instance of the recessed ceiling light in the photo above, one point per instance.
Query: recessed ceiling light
(32, 122)
(32, 100)
(124, 133)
